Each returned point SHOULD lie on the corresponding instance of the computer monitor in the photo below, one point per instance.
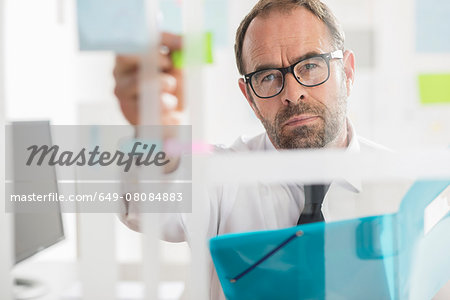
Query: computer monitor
(33, 232)
(36, 232)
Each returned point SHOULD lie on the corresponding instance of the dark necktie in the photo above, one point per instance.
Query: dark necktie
(312, 211)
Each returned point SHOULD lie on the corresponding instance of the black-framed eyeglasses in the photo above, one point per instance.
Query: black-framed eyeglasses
(309, 72)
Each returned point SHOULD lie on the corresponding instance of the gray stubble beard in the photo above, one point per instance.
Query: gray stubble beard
(318, 135)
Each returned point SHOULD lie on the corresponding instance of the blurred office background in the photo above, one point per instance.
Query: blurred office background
(47, 77)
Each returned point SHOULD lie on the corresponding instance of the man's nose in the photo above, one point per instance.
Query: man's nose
(293, 91)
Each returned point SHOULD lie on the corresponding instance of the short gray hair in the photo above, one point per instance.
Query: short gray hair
(263, 7)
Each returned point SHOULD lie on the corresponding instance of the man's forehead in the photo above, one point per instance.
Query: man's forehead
(278, 35)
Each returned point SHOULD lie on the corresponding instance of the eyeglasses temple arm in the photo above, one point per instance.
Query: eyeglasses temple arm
(337, 54)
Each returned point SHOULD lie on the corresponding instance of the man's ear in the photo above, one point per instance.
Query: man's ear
(349, 69)
(243, 87)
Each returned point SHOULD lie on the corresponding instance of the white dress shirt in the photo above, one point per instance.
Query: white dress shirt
(252, 207)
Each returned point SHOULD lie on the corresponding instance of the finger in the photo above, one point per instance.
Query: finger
(168, 83)
(165, 62)
(130, 109)
(179, 93)
(168, 103)
(172, 118)
(125, 64)
(126, 86)
(130, 64)
(171, 41)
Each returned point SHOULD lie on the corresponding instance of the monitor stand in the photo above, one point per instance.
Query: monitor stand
(25, 288)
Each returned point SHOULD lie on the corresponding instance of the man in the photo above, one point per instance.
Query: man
(297, 78)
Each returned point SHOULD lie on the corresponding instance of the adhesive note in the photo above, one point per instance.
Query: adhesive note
(112, 25)
(215, 19)
(171, 16)
(434, 88)
(205, 50)
(433, 26)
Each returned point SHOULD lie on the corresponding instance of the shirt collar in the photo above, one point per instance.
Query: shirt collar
(352, 183)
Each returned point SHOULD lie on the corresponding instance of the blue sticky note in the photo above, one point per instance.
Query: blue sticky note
(215, 19)
(172, 16)
(112, 25)
(433, 26)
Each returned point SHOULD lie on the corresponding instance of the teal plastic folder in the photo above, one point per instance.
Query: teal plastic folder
(381, 257)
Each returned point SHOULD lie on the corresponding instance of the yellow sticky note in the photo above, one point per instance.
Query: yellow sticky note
(434, 88)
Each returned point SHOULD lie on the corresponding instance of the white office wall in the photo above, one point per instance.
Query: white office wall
(40, 62)
(46, 74)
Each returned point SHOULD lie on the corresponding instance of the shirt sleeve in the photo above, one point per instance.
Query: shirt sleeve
(175, 226)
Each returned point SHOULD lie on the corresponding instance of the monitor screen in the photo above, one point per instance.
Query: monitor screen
(34, 232)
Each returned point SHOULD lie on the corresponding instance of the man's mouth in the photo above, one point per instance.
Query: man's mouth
(300, 120)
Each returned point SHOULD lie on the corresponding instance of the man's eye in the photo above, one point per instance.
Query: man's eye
(310, 66)
(269, 77)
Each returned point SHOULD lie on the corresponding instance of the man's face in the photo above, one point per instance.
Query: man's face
(299, 117)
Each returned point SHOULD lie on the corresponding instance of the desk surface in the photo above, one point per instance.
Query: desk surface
(62, 280)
